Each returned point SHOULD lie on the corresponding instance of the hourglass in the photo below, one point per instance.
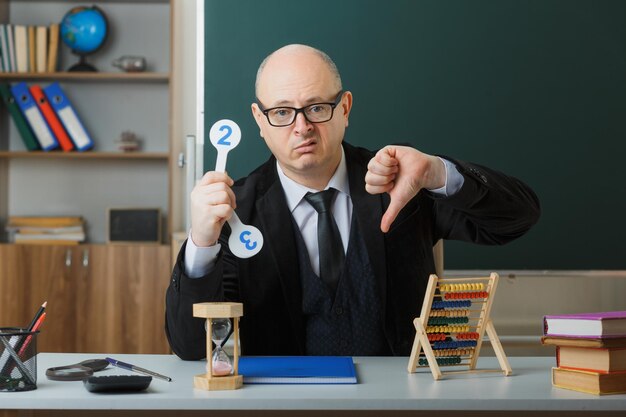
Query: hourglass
(222, 373)
(220, 362)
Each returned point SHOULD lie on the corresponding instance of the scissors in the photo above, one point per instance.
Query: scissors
(77, 371)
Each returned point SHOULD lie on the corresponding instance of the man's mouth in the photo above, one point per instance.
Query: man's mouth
(306, 147)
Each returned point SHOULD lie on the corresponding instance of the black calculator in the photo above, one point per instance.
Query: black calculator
(117, 383)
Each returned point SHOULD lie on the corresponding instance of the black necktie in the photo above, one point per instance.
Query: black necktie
(328, 238)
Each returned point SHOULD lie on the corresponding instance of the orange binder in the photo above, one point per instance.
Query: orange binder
(51, 118)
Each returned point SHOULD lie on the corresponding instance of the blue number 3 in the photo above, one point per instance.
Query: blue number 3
(249, 245)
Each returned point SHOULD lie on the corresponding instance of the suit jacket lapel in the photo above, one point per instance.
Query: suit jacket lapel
(279, 238)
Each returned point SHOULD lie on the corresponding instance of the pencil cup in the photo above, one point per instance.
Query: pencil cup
(18, 359)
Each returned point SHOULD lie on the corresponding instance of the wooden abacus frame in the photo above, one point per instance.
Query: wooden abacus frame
(466, 291)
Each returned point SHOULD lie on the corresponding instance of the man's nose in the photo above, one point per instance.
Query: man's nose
(302, 125)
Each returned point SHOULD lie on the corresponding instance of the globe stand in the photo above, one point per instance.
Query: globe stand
(82, 65)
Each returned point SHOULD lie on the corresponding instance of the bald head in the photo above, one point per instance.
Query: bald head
(298, 53)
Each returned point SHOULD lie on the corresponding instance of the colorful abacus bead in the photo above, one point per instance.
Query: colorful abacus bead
(452, 360)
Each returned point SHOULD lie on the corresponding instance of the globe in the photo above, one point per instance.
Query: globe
(84, 30)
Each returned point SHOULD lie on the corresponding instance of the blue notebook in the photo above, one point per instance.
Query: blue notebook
(297, 370)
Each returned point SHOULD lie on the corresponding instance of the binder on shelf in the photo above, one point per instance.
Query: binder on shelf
(53, 47)
(11, 49)
(18, 118)
(41, 48)
(21, 48)
(32, 63)
(60, 103)
(51, 118)
(34, 117)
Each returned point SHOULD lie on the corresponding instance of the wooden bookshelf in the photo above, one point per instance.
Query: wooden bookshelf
(108, 102)
(87, 76)
(109, 284)
(84, 155)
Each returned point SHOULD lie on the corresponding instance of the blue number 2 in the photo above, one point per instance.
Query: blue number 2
(222, 140)
(243, 237)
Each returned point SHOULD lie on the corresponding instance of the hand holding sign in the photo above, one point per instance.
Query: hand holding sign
(245, 240)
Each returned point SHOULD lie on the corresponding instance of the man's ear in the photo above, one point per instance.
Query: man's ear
(258, 117)
(346, 105)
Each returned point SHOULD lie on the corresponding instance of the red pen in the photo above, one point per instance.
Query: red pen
(36, 327)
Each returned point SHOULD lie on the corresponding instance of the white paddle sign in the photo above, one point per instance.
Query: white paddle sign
(245, 240)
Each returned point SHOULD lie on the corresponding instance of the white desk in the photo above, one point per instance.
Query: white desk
(384, 384)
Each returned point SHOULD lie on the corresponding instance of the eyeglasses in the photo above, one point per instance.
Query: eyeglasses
(314, 113)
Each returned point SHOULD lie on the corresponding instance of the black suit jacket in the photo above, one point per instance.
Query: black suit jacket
(490, 208)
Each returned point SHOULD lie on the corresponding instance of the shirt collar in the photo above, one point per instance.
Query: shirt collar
(295, 192)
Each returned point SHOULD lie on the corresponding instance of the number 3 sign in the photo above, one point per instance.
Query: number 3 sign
(245, 240)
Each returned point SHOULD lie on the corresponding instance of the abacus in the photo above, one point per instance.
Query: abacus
(451, 326)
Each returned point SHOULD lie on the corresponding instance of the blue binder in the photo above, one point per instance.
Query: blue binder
(38, 125)
(68, 116)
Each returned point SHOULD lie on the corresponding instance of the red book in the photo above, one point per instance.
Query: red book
(51, 118)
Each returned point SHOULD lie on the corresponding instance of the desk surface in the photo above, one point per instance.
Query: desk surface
(384, 384)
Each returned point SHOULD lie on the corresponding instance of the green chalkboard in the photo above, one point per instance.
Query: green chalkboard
(536, 89)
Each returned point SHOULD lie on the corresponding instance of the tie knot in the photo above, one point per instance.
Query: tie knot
(322, 200)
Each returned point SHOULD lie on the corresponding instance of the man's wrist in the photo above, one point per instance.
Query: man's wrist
(200, 260)
(454, 180)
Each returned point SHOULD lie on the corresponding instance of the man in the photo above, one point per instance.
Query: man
(346, 283)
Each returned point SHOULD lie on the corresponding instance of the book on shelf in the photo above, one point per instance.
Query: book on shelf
(589, 382)
(33, 115)
(51, 118)
(27, 237)
(4, 51)
(590, 325)
(601, 360)
(11, 46)
(64, 109)
(44, 221)
(28, 137)
(41, 55)
(297, 370)
(48, 242)
(28, 229)
(53, 47)
(4, 45)
(44, 230)
(21, 48)
(32, 63)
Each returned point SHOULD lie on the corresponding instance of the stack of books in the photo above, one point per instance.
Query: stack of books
(29, 49)
(67, 230)
(590, 351)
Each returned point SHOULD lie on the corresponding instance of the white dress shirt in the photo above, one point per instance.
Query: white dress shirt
(200, 260)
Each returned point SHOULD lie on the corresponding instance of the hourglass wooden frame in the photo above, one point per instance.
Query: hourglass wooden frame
(209, 311)
(450, 328)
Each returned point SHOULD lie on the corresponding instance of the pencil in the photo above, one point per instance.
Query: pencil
(37, 315)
